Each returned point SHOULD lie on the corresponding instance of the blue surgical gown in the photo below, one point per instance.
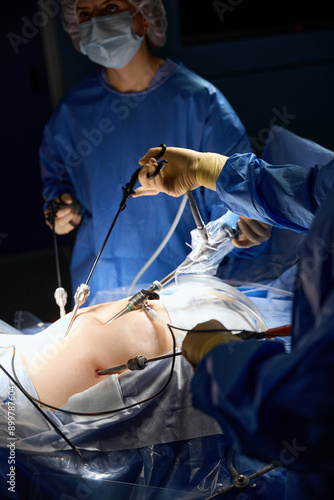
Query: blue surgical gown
(91, 147)
(276, 406)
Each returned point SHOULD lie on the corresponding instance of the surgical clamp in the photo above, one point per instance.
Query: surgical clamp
(240, 481)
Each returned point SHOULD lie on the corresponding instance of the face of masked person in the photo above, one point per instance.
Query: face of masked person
(110, 40)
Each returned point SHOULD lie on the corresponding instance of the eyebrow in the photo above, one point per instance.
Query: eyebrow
(87, 7)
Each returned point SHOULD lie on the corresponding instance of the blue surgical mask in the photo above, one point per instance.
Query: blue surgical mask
(110, 40)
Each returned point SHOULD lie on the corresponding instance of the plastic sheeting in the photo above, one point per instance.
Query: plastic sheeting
(186, 470)
(205, 258)
(163, 447)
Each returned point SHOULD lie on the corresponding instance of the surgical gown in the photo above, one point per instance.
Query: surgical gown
(91, 147)
(277, 406)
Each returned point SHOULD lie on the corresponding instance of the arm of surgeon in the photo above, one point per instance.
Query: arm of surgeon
(60, 367)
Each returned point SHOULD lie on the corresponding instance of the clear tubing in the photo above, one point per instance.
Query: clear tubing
(163, 322)
(162, 244)
(261, 326)
(262, 286)
(240, 300)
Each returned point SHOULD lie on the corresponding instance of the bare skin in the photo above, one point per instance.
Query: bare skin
(61, 367)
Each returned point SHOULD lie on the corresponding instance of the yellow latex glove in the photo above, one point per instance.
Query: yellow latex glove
(204, 337)
(186, 170)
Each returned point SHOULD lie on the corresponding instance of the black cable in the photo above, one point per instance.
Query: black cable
(32, 401)
(55, 244)
(110, 412)
(52, 207)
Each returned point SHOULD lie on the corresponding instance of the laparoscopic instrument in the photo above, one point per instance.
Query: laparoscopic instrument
(83, 290)
(140, 298)
(240, 481)
(141, 362)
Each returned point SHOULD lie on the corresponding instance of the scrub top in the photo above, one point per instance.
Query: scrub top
(91, 147)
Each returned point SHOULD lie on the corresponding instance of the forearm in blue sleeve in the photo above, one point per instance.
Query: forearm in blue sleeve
(54, 176)
(286, 196)
(274, 406)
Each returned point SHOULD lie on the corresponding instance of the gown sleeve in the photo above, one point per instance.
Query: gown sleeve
(285, 196)
(223, 133)
(278, 406)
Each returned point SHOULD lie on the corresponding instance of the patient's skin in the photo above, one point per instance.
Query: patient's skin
(91, 346)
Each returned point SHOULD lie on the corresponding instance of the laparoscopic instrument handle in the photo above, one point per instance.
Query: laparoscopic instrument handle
(128, 190)
(161, 164)
(137, 300)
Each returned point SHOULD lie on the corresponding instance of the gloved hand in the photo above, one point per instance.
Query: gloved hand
(66, 218)
(186, 170)
(204, 337)
(251, 232)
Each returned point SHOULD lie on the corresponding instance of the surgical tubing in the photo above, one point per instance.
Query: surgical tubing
(273, 289)
(163, 322)
(162, 244)
(261, 326)
(240, 300)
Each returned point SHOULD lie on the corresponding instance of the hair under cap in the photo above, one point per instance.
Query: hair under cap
(152, 10)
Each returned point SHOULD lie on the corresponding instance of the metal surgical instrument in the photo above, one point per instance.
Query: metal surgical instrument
(198, 218)
(138, 300)
(83, 290)
(240, 481)
(137, 363)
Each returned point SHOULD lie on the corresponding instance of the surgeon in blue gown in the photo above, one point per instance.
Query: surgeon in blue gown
(275, 406)
(93, 140)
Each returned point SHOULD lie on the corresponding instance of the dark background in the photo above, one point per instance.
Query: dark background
(264, 56)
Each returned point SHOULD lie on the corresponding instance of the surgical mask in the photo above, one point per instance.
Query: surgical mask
(110, 40)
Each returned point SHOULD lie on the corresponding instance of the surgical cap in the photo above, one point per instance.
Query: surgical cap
(152, 10)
